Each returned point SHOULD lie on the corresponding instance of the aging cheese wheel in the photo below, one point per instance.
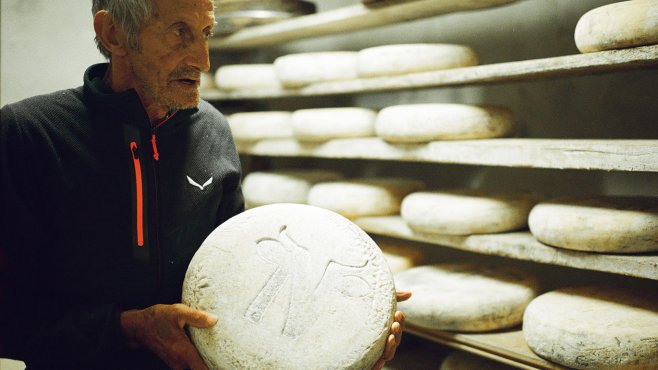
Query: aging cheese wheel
(284, 186)
(401, 257)
(391, 60)
(207, 81)
(466, 211)
(296, 70)
(323, 124)
(460, 360)
(598, 224)
(601, 327)
(363, 197)
(619, 25)
(466, 297)
(295, 287)
(246, 77)
(417, 123)
(252, 126)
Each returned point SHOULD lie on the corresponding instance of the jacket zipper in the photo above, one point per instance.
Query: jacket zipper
(139, 194)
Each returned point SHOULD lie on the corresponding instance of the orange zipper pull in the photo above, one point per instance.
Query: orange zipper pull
(156, 155)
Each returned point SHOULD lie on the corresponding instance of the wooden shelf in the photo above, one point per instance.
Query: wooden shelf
(345, 19)
(520, 245)
(507, 346)
(618, 155)
(578, 64)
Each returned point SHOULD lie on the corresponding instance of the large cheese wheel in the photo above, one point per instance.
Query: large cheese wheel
(466, 211)
(363, 197)
(598, 224)
(460, 360)
(246, 77)
(417, 123)
(283, 186)
(207, 81)
(252, 126)
(466, 297)
(321, 124)
(296, 70)
(619, 25)
(401, 257)
(295, 287)
(391, 60)
(595, 327)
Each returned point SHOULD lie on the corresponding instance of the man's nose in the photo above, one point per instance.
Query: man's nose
(198, 56)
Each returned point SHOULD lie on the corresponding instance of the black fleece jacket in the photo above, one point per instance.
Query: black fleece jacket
(102, 212)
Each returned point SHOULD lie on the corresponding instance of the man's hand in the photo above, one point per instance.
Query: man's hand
(393, 340)
(160, 328)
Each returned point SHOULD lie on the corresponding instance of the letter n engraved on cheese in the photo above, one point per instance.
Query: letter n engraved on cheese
(307, 268)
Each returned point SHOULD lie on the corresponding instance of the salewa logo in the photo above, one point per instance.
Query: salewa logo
(192, 182)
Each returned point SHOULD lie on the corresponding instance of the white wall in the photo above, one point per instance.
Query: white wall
(46, 46)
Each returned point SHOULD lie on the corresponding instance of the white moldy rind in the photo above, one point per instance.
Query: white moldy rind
(466, 297)
(295, 287)
(616, 26)
(253, 126)
(247, 77)
(600, 327)
(466, 211)
(418, 123)
(598, 224)
(283, 186)
(390, 60)
(363, 197)
(297, 70)
(321, 124)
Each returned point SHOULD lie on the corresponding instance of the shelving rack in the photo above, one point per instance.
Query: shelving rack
(507, 346)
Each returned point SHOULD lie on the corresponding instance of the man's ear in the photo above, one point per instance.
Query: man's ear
(110, 34)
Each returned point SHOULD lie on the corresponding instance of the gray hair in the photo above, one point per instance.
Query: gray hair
(129, 14)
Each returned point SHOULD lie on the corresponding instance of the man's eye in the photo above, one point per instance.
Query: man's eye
(181, 31)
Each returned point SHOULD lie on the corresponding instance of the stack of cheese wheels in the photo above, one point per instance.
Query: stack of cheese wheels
(363, 197)
(400, 257)
(283, 186)
(253, 126)
(466, 211)
(466, 297)
(321, 124)
(619, 25)
(297, 70)
(460, 360)
(599, 327)
(417, 123)
(598, 224)
(247, 77)
(296, 287)
(207, 81)
(391, 60)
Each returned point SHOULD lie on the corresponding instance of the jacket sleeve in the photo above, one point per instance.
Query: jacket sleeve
(232, 199)
(36, 325)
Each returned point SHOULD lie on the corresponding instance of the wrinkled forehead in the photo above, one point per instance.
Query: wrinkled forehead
(191, 10)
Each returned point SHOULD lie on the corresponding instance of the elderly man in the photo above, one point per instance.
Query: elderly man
(100, 217)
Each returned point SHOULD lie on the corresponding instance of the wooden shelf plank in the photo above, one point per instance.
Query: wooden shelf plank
(591, 154)
(520, 245)
(578, 64)
(507, 346)
(345, 19)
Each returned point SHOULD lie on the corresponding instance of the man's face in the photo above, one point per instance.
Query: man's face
(173, 51)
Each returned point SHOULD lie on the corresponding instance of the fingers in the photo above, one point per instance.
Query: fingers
(191, 358)
(189, 316)
(402, 296)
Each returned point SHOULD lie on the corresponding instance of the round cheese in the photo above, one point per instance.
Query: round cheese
(466, 211)
(207, 81)
(595, 327)
(460, 360)
(620, 25)
(295, 287)
(246, 77)
(363, 197)
(465, 297)
(253, 126)
(284, 186)
(323, 124)
(296, 70)
(401, 257)
(417, 123)
(391, 60)
(598, 224)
